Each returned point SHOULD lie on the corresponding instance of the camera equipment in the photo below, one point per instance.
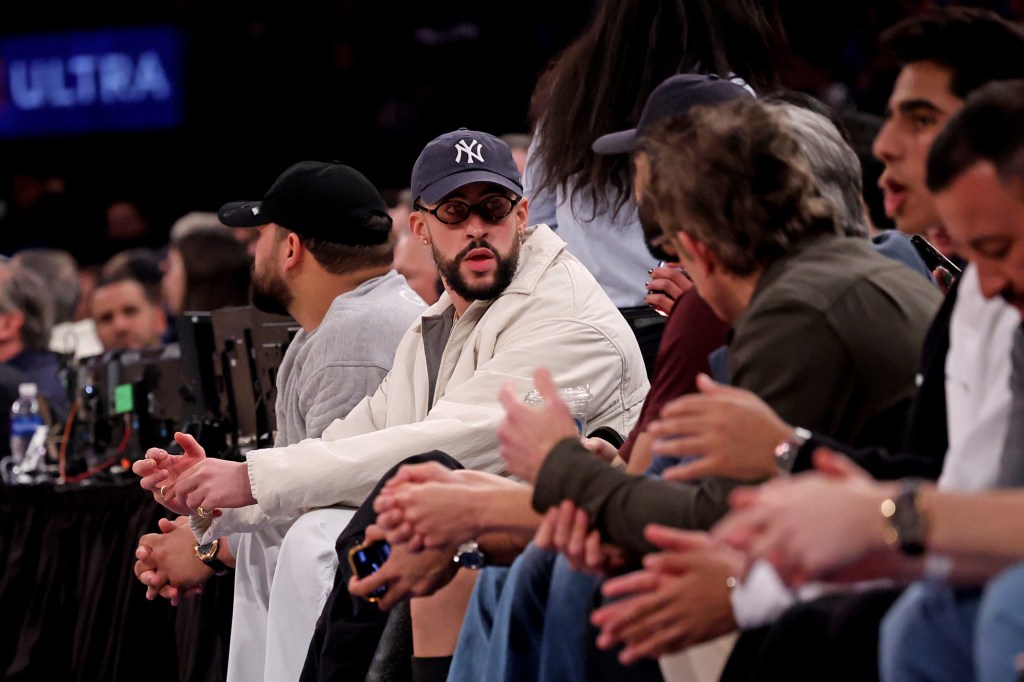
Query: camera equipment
(218, 383)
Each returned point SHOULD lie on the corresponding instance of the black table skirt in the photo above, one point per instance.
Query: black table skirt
(70, 605)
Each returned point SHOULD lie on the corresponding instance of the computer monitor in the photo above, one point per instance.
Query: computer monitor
(251, 344)
(271, 336)
(198, 357)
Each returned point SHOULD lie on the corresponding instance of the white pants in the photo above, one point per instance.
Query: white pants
(271, 628)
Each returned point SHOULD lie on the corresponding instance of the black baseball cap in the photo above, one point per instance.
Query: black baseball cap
(458, 158)
(328, 201)
(673, 97)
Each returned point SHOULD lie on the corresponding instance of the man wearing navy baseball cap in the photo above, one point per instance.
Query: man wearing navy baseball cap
(514, 300)
(469, 179)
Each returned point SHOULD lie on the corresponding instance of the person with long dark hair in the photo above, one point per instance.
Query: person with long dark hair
(598, 85)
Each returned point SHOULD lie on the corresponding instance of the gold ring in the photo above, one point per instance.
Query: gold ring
(202, 512)
(162, 488)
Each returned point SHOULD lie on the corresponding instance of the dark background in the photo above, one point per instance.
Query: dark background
(361, 81)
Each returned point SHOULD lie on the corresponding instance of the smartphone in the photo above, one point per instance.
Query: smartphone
(366, 559)
(932, 257)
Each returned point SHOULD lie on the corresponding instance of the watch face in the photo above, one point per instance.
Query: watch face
(907, 520)
(472, 560)
(908, 524)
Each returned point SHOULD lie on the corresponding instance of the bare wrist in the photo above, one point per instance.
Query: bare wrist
(478, 523)
(502, 509)
(246, 484)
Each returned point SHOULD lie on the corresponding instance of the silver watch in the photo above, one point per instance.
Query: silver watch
(468, 555)
(786, 451)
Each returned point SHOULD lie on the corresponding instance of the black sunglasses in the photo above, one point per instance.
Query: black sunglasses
(492, 209)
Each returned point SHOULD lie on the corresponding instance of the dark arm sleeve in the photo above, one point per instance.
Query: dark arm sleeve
(878, 462)
(620, 505)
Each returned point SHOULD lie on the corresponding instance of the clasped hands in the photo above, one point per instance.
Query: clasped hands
(190, 481)
(424, 512)
(166, 564)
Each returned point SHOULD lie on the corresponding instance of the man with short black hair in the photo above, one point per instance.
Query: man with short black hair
(125, 315)
(323, 256)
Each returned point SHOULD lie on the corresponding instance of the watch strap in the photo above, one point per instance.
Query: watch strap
(906, 525)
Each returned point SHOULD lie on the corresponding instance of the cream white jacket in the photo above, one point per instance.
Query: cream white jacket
(553, 314)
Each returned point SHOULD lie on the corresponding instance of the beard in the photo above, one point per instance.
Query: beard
(269, 293)
(652, 231)
(503, 273)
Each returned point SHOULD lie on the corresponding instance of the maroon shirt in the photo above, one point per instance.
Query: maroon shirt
(691, 333)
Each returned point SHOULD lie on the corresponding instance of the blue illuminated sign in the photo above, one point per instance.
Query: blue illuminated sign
(107, 80)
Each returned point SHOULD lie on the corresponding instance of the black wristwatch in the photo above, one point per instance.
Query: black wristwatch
(208, 555)
(469, 556)
(906, 525)
(787, 450)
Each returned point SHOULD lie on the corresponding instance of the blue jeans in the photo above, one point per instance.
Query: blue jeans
(935, 633)
(500, 637)
(999, 637)
(512, 631)
(567, 624)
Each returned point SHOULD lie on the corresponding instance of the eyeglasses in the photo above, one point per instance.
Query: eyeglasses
(493, 209)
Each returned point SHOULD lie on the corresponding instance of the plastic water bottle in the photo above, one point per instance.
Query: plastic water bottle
(574, 397)
(25, 420)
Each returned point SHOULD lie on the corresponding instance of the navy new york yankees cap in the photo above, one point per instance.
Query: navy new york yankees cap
(327, 201)
(458, 158)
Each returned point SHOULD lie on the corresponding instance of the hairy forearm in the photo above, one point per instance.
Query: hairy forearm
(507, 510)
(505, 520)
(502, 548)
(970, 536)
(975, 525)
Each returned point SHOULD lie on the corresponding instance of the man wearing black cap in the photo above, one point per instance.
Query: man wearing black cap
(323, 256)
(514, 299)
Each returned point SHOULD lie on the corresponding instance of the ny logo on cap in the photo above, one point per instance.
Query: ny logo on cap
(463, 146)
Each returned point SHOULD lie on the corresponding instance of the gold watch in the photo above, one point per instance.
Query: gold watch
(208, 555)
